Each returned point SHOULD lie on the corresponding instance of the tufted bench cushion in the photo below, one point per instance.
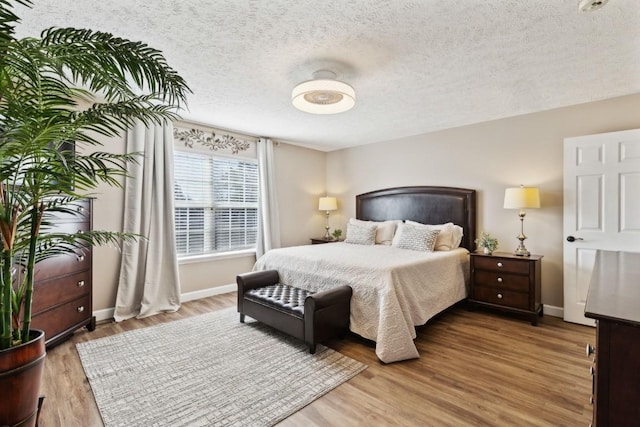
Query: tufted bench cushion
(306, 315)
(281, 297)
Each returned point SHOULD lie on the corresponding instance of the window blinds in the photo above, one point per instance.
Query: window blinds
(216, 203)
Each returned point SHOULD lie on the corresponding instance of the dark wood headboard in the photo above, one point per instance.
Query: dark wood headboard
(428, 205)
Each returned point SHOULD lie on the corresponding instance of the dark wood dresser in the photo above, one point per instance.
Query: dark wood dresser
(507, 282)
(62, 297)
(614, 301)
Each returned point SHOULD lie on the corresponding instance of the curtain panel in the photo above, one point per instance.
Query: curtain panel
(149, 282)
(268, 215)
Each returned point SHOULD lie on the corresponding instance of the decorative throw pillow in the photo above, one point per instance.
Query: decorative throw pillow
(384, 232)
(416, 238)
(447, 237)
(361, 234)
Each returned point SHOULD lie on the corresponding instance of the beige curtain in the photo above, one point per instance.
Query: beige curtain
(149, 281)
(268, 215)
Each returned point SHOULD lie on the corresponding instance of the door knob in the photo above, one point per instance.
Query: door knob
(589, 350)
(573, 239)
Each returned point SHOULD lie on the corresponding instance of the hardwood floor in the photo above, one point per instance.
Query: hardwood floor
(476, 369)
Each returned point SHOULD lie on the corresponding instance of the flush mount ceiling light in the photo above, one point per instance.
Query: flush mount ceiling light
(323, 95)
(591, 5)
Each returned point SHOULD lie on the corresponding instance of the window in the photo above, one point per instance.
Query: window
(216, 203)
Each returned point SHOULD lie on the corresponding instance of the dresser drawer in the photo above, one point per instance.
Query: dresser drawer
(60, 290)
(63, 265)
(514, 282)
(63, 317)
(501, 296)
(78, 211)
(68, 227)
(502, 264)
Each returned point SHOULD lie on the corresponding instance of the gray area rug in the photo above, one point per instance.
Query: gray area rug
(208, 370)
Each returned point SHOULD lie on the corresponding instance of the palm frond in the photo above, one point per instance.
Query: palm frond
(101, 60)
(8, 20)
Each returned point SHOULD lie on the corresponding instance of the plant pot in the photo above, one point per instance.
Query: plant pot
(21, 370)
(486, 251)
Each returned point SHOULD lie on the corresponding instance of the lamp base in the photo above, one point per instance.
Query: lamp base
(521, 250)
(327, 236)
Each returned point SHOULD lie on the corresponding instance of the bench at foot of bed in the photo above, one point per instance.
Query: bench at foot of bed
(311, 317)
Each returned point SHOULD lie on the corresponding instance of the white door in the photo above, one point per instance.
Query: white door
(601, 208)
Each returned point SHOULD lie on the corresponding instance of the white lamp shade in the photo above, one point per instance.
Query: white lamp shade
(521, 197)
(328, 204)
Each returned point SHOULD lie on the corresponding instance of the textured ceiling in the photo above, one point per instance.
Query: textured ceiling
(416, 66)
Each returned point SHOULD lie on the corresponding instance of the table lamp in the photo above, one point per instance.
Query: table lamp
(521, 198)
(327, 204)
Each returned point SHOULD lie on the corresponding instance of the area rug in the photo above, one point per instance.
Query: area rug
(208, 370)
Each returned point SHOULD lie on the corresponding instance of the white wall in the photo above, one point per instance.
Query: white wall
(488, 157)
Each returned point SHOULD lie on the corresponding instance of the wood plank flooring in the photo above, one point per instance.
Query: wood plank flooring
(476, 369)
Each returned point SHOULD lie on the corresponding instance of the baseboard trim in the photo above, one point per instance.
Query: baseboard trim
(107, 313)
(204, 293)
(104, 314)
(550, 310)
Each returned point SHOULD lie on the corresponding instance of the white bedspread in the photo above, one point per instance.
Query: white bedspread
(393, 289)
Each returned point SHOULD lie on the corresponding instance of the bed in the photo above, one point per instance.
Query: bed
(394, 289)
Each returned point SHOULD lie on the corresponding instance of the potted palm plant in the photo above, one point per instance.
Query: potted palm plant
(67, 85)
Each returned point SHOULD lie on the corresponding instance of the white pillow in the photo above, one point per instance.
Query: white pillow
(358, 234)
(447, 237)
(384, 232)
(416, 238)
(458, 233)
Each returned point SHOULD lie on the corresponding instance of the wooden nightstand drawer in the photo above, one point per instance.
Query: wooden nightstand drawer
(501, 296)
(502, 264)
(512, 282)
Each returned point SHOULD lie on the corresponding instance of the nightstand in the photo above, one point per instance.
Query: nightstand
(507, 282)
(320, 240)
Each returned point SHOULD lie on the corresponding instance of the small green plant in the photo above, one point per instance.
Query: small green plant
(487, 241)
(337, 233)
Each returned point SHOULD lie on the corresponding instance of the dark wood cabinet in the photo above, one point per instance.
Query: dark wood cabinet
(507, 282)
(62, 297)
(614, 301)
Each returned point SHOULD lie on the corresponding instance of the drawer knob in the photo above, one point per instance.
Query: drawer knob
(80, 258)
(500, 264)
(80, 232)
(499, 296)
(591, 370)
(80, 283)
(80, 309)
(591, 400)
(80, 209)
(499, 279)
(589, 349)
